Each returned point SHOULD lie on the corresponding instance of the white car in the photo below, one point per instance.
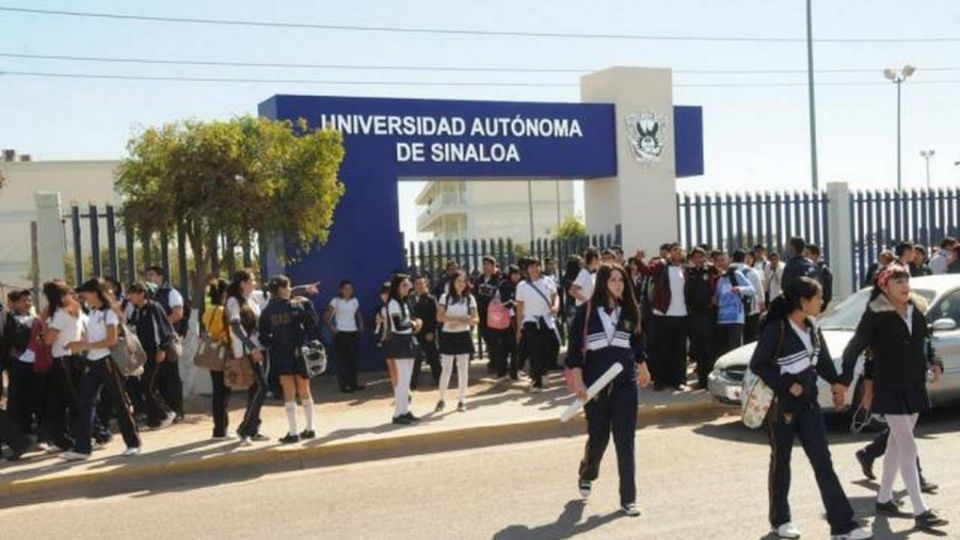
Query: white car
(838, 325)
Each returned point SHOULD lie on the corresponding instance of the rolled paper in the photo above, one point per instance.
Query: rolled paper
(592, 391)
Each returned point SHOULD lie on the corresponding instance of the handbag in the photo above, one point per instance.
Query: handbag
(211, 355)
(128, 354)
(314, 358)
(238, 373)
(42, 355)
(568, 378)
(756, 397)
(175, 349)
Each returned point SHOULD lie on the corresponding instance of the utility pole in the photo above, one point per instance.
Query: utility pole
(813, 106)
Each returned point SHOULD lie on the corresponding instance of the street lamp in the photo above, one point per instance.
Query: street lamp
(926, 155)
(897, 76)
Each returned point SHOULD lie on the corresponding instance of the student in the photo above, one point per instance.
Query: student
(457, 312)
(606, 330)
(486, 286)
(790, 355)
(215, 322)
(824, 274)
(797, 265)
(284, 326)
(64, 321)
(698, 294)
(582, 287)
(24, 401)
(382, 331)
(731, 289)
(894, 328)
(99, 372)
(244, 303)
(507, 355)
(668, 330)
(773, 277)
(754, 303)
(172, 302)
(345, 322)
(155, 332)
(401, 345)
(423, 306)
(537, 308)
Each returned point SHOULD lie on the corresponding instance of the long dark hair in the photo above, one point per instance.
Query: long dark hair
(248, 319)
(454, 297)
(574, 264)
(216, 290)
(628, 302)
(803, 288)
(59, 295)
(101, 288)
(896, 271)
(395, 283)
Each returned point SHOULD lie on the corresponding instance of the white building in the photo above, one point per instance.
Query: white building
(458, 209)
(80, 182)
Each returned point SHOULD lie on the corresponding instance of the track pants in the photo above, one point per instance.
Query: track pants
(100, 375)
(614, 409)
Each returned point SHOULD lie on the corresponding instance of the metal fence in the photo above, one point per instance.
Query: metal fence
(882, 218)
(734, 220)
(99, 246)
(431, 256)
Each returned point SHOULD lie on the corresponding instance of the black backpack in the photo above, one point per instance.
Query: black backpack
(162, 297)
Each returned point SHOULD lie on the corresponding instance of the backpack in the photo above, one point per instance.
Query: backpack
(756, 397)
(43, 357)
(162, 296)
(498, 316)
(128, 354)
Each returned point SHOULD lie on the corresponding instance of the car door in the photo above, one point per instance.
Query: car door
(947, 346)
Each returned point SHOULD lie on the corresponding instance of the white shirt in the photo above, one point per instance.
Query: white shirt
(69, 329)
(463, 308)
(939, 263)
(774, 278)
(97, 325)
(28, 356)
(754, 278)
(678, 306)
(908, 320)
(257, 300)
(394, 308)
(609, 321)
(175, 299)
(345, 314)
(534, 304)
(586, 281)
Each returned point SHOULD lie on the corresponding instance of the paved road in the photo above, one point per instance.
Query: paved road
(696, 481)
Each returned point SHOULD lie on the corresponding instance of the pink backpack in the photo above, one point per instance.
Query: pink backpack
(498, 316)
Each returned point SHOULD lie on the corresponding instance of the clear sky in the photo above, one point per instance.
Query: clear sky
(756, 136)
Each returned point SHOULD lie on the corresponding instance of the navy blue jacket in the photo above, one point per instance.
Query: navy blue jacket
(798, 267)
(153, 327)
(792, 364)
(598, 355)
(285, 325)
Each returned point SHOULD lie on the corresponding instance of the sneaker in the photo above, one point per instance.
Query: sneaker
(131, 451)
(308, 434)
(889, 508)
(866, 465)
(223, 437)
(166, 422)
(929, 520)
(97, 445)
(928, 487)
(70, 455)
(54, 449)
(859, 533)
(788, 530)
(246, 441)
(585, 486)
(259, 437)
(402, 420)
(630, 510)
(461, 407)
(440, 405)
(290, 438)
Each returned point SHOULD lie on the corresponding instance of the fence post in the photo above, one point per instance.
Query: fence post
(841, 245)
(112, 257)
(77, 245)
(50, 248)
(94, 217)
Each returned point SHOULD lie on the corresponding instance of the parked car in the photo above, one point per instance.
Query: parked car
(838, 325)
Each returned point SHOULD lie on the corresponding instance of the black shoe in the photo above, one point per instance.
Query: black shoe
(259, 437)
(461, 407)
(290, 438)
(929, 520)
(889, 508)
(409, 416)
(928, 487)
(657, 387)
(402, 420)
(866, 465)
(514, 377)
(358, 387)
(308, 434)
(440, 405)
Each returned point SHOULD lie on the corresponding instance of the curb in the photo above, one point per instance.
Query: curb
(300, 457)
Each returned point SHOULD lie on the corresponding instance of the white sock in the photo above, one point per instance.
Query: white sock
(291, 407)
(308, 413)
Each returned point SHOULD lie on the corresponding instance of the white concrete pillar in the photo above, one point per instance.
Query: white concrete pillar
(50, 242)
(841, 245)
(642, 197)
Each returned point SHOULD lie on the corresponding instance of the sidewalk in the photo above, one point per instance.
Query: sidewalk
(347, 425)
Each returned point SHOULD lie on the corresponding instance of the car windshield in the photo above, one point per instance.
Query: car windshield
(846, 315)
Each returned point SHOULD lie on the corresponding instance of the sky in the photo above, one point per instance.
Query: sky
(756, 137)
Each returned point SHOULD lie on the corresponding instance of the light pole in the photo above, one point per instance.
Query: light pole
(813, 105)
(926, 155)
(897, 76)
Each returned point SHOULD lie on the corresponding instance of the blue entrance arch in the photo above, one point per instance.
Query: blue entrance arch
(387, 140)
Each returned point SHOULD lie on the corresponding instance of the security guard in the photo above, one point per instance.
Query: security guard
(605, 331)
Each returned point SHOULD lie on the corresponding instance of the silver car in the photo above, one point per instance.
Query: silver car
(838, 325)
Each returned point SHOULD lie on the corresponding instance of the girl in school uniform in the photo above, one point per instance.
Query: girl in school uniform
(457, 312)
(99, 372)
(64, 325)
(537, 307)
(790, 355)
(215, 322)
(895, 330)
(401, 345)
(606, 330)
(345, 321)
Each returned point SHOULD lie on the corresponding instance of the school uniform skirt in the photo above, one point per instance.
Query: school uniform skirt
(402, 346)
(455, 343)
(912, 400)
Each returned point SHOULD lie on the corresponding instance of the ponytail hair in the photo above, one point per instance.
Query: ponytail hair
(781, 307)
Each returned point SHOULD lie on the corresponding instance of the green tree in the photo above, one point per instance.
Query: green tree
(571, 227)
(247, 179)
